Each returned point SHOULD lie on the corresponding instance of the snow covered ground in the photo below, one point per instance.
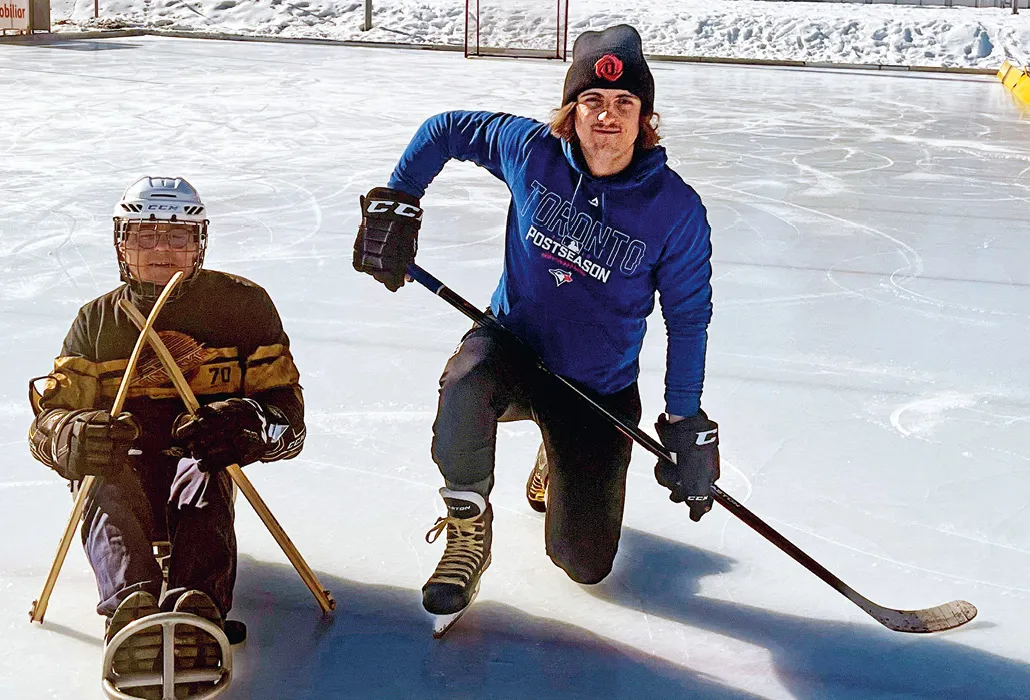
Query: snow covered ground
(813, 32)
(867, 363)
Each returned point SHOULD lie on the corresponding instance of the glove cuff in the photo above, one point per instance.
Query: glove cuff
(698, 430)
(391, 193)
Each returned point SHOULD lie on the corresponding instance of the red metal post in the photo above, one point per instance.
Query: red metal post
(557, 29)
(565, 38)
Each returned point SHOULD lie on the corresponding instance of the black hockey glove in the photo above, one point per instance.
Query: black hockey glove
(388, 235)
(84, 442)
(223, 433)
(694, 443)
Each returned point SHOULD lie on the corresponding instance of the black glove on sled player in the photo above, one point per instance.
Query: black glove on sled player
(223, 433)
(694, 442)
(388, 235)
(85, 442)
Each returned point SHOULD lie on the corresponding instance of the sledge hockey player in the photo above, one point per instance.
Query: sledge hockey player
(160, 473)
(597, 224)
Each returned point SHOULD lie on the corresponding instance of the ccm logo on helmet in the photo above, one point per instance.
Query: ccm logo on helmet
(162, 207)
(382, 206)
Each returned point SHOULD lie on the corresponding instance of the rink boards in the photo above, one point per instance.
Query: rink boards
(1016, 80)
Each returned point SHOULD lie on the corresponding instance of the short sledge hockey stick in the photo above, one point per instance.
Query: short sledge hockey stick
(323, 596)
(39, 605)
(936, 619)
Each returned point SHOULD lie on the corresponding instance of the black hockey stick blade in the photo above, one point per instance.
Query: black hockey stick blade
(936, 619)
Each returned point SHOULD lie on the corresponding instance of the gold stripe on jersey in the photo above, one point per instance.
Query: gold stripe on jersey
(270, 367)
(80, 383)
(75, 382)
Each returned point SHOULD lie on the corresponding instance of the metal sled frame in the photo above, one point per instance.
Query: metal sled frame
(167, 676)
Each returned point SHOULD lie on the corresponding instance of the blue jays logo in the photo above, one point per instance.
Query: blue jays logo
(561, 276)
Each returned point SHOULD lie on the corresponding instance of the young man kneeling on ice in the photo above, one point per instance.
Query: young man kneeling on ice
(159, 472)
(598, 224)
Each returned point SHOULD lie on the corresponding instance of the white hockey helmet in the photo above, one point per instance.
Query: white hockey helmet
(157, 199)
(161, 199)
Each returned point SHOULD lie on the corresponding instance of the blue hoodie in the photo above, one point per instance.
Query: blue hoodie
(585, 255)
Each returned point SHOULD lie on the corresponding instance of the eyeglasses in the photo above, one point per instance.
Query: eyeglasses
(147, 234)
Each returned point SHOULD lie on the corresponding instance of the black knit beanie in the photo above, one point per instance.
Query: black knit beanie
(612, 58)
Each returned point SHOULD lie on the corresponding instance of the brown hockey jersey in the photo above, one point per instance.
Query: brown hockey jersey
(227, 338)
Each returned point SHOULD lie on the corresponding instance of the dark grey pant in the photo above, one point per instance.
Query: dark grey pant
(119, 526)
(488, 379)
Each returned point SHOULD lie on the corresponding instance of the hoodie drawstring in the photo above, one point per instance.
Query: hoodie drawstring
(576, 192)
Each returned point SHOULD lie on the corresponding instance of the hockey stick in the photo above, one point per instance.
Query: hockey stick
(39, 605)
(942, 617)
(324, 598)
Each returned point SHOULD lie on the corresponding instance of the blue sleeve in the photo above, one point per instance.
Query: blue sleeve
(492, 140)
(684, 280)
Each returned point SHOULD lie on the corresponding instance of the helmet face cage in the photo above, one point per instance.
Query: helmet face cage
(132, 235)
(155, 209)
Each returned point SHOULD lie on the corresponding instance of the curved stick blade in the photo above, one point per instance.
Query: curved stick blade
(937, 619)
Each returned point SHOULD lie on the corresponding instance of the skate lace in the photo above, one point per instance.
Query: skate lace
(538, 486)
(464, 551)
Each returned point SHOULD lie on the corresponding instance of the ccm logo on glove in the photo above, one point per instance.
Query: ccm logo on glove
(381, 206)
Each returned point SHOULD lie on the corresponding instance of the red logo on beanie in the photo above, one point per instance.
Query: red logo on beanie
(608, 67)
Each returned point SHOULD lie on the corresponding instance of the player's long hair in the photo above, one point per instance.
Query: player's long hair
(563, 125)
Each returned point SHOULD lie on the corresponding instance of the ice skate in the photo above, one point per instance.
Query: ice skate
(141, 652)
(536, 486)
(455, 583)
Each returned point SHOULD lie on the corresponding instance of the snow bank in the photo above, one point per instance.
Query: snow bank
(797, 31)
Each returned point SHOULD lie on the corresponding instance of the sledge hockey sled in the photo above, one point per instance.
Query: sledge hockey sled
(167, 678)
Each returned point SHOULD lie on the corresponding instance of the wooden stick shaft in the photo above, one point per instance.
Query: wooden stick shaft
(324, 598)
(39, 605)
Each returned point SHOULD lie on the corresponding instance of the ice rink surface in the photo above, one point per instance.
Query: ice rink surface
(867, 362)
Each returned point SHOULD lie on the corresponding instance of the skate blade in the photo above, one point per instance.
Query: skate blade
(442, 623)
